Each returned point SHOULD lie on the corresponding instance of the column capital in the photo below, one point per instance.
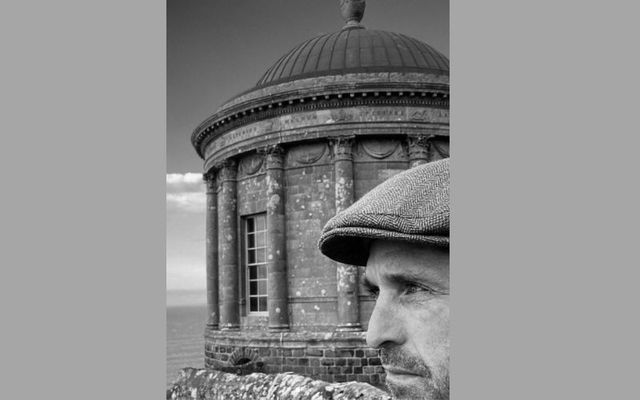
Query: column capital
(210, 180)
(342, 147)
(226, 170)
(274, 156)
(418, 148)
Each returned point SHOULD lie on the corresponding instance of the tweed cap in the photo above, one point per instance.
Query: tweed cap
(412, 206)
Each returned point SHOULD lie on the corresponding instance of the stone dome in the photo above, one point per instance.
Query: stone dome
(355, 49)
(352, 67)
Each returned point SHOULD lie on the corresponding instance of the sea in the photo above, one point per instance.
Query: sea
(185, 338)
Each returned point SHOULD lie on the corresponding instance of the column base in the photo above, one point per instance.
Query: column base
(349, 328)
(278, 328)
(230, 328)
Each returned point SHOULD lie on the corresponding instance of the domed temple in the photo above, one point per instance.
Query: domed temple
(326, 123)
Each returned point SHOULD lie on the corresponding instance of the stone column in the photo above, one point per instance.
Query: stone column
(347, 275)
(278, 304)
(418, 150)
(212, 250)
(228, 247)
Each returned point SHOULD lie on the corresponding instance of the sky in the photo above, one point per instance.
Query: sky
(219, 48)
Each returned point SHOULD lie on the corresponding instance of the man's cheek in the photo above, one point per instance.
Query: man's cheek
(430, 330)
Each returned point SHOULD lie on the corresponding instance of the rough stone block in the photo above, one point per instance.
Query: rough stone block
(345, 353)
(374, 361)
(315, 352)
(291, 361)
(334, 370)
(372, 353)
(327, 361)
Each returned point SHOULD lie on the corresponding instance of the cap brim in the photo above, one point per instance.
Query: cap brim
(350, 245)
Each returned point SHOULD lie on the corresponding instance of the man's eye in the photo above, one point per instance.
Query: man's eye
(412, 289)
(373, 292)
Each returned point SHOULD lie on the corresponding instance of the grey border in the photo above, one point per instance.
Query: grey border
(83, 199)
(544, 199)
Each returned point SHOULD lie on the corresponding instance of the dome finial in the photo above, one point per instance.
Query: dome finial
(352, 11)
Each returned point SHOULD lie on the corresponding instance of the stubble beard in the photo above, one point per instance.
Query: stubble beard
(433, 385)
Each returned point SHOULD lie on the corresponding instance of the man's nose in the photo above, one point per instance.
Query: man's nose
(385, 325)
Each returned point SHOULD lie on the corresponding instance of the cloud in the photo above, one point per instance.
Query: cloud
(188, 202)
(189, 182)
(185, 192)
(186, 216)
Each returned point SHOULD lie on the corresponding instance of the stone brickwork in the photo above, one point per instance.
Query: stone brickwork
(331, 358)
(376, 160)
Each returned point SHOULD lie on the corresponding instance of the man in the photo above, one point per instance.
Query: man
(400, 232)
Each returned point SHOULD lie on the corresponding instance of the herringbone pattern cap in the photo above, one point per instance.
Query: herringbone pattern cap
(411, 206)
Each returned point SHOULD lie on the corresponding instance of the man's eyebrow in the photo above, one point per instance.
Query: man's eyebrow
(404, 278)
(395, 278)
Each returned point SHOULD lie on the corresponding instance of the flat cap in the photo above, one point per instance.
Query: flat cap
(412, 206)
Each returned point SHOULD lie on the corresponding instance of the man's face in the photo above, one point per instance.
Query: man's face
(410, 321)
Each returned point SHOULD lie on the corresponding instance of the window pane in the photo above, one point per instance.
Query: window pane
(251, 241)
(253, 301)
(261, 255)
(250, 225)
(260, 240)
(263, 303)
(262, 287)
(262, 272)
(260, 223)
(253, 274)
(251, 256)
(253, 287)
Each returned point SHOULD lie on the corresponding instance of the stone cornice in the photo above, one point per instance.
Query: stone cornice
(338, 96)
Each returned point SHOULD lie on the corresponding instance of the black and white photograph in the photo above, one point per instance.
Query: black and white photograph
(308, 199)
(319, 199)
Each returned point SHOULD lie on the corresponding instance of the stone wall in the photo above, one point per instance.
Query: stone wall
(331, 357)
(309, 205)
(214, 385)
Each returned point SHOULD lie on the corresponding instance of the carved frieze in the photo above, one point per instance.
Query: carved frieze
(439, 149)
(277, 127)
(379, 149)
(306, 154)
(231, 119)
(251, 165)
